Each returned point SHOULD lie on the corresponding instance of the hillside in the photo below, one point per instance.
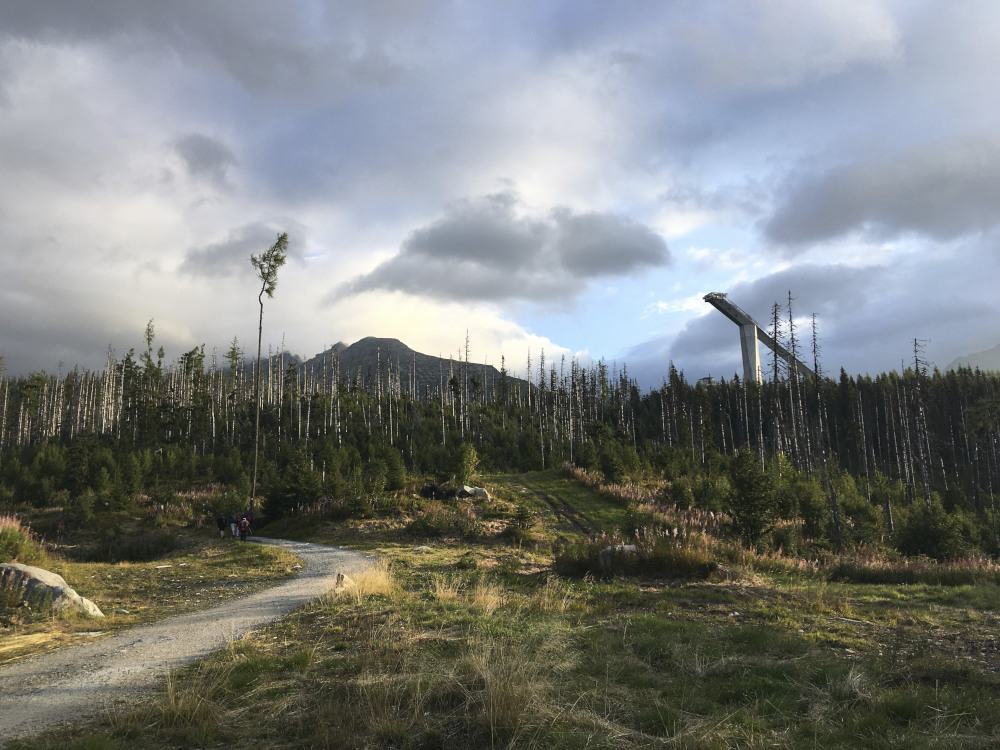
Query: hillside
(418, 373)
(987, 360)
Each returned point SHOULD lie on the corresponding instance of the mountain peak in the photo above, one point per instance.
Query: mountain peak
(417, 372)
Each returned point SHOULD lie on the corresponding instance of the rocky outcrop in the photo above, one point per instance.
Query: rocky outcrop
(37, 584)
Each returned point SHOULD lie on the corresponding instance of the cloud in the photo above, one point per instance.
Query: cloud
(942, 191)
(232, 255)
(205, 158)
(292, 49)
(772, 44)
(150, 148)
(489, 249)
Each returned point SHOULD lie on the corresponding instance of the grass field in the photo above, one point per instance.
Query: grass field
(472, 642)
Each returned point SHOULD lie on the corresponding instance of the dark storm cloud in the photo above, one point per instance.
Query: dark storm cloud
(486, 249)
(205, 158)
(232, 255)
(598, 244)
(290, 48)
(486, 232)
(941, 191)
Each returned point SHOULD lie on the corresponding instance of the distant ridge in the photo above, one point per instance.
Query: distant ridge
(987, 360)
(419, 374)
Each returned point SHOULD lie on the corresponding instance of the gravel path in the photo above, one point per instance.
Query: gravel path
(80, 681)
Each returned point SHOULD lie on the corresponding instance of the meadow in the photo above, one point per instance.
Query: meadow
(555, 614)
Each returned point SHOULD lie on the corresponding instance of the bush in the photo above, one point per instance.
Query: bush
(786, 538)
(121, 546)
(522, 527)
(586, 456)
(295, 486)
(465, 464)
(752, 501)
(81, 507)
(395, 477)
(524, 517)
(17, 544)
(21, 607)
(439, 520)
(710, 493)
(374, 476)
(933, 532)
(142, 547)
(611, 463)
(649, 552)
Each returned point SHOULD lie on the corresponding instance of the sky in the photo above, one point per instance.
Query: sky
(536, 178)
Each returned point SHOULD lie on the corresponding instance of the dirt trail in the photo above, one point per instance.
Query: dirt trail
(81, 681)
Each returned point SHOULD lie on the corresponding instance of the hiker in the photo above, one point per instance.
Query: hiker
(233, 522)
(223, 522)
(244, 528)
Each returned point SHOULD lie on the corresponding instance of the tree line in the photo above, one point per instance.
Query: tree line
(851, 459)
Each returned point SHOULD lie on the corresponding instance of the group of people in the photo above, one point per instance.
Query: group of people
(240, 526)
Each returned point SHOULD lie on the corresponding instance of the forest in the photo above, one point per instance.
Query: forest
(906, 462)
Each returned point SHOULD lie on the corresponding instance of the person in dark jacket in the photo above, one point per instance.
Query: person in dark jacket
(244, 528)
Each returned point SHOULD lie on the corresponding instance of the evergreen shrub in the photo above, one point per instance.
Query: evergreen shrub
(611, 463)
(521, 528)
(787, 538)
(933, 532)
(751, 503)
(81, 507)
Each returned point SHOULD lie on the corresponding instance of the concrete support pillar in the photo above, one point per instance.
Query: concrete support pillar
(751, 354)
(750, 334)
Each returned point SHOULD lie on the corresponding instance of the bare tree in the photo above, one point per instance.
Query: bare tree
(266, 265)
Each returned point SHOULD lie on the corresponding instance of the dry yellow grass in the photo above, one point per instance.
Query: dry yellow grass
(446, 588)
(373, 581)
(487, 596)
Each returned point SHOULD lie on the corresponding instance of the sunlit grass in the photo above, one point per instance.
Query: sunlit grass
(426, 655)
(449, 643)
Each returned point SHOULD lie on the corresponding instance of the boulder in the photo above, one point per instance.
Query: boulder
(467, 491)
(38, 583)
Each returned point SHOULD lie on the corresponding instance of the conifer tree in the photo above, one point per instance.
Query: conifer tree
(266, 265)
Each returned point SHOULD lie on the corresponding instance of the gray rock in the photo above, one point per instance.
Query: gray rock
(467, 491)
(37, 582)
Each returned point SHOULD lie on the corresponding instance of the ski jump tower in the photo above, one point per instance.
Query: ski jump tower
(750, 334)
